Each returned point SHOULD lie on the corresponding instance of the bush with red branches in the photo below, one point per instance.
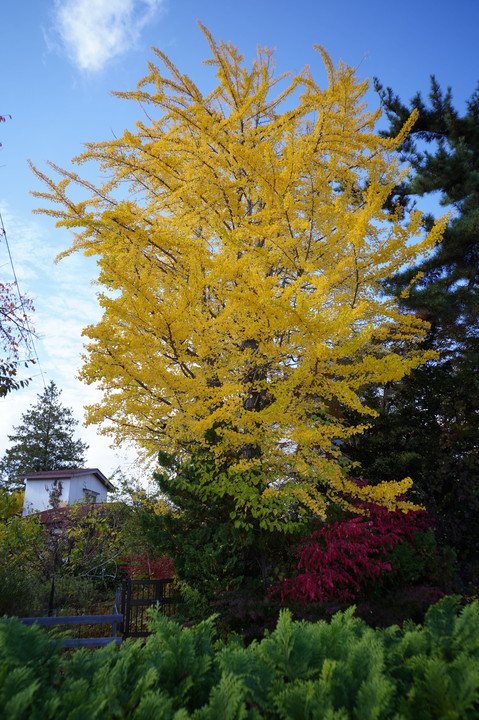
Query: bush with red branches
(141, 567)
(336, 559)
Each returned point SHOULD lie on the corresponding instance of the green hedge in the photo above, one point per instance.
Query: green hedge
(337, 670)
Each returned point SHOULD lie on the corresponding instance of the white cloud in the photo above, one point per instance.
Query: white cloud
(65, 303)
(94, 31)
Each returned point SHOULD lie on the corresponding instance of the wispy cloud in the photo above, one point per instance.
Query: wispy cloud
(94, 31)
(64, 304)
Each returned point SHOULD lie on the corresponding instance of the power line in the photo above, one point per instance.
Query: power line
(29, 339)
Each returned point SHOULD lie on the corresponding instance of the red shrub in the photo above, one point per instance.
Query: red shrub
(143, 567)
(335, 559)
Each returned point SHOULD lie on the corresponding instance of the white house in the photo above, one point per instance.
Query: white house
(77, 484)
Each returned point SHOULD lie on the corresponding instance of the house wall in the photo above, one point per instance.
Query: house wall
(78, 485)
(37, 495)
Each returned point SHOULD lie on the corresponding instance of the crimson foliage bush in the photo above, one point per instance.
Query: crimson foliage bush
(143, 567)
(335, 561)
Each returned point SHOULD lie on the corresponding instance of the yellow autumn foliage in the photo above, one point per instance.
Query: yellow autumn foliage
(242, 243)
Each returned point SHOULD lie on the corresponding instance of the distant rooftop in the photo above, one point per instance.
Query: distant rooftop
(67, 473)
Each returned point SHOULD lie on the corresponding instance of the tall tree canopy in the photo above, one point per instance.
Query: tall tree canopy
(43, 441)
(241, 272)
(429, 423)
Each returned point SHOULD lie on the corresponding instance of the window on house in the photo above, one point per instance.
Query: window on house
(90, 495)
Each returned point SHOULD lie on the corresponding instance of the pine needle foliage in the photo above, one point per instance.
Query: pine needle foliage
(242, 243)
(428, 424)
(44, 440)
(341, 670)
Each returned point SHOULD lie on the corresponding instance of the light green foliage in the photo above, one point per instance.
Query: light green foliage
(29, 664)
(81, 551)
(437, 669)
(343, 670)
(21, 547)
(331, 670)
(91, 540)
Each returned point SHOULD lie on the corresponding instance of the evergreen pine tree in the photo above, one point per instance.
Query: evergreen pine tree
(428, 425)
(448, 293)
(43, 441)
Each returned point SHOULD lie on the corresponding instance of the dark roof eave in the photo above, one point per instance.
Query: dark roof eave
(67, 473)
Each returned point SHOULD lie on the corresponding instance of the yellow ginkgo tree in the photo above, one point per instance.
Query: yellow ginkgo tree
(242, 243)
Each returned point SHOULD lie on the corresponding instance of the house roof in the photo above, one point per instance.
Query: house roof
(58, 516)
(66, 474)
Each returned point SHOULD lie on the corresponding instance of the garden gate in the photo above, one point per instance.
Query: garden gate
(139, 595)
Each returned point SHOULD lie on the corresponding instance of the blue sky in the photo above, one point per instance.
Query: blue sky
(61, 58)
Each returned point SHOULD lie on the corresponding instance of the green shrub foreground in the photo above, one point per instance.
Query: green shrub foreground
(337, 670)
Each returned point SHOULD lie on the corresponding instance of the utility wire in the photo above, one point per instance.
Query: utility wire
(29, 339)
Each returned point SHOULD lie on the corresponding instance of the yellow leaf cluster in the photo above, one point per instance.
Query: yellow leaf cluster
(242, 243)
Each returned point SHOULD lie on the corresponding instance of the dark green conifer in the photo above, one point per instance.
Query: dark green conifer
(428, 425)
(43, 440)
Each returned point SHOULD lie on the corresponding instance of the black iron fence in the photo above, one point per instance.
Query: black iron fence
(114, 620)
(137, 596)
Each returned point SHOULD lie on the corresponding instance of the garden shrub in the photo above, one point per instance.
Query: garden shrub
(21, 548)
(386, 562)
(221, 566)
(335, 562)
(144, 567)
(18, 590)
(340, 670)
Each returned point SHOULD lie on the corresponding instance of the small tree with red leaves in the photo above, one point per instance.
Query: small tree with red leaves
(337, 559)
